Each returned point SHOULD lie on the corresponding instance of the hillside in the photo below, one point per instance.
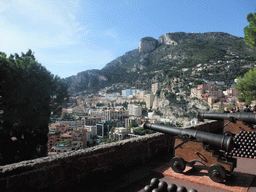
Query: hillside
(213, 56)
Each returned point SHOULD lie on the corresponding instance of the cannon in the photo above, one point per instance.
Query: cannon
(239, 125)
(233, 122)
(194, 146)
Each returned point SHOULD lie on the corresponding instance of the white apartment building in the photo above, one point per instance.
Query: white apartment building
(155, 87)
(135, 110)
(98, 114)
(91, 129)
(141, 95)
(115, 114)
(149, 100)
(109, 114)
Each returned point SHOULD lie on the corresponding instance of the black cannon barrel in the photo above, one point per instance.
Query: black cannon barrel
(221, 141)
(240, 116)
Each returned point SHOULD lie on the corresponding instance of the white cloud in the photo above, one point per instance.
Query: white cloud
(38, 24)
(56, 31)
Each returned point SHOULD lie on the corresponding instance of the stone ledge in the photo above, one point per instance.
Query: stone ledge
(89, 166)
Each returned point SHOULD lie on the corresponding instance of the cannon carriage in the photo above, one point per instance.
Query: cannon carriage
(241, 126)
(194, 146)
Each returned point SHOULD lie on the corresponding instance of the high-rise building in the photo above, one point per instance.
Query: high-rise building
(149, 100)
(155, 87)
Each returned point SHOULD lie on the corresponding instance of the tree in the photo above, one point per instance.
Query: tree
(28, 95)
(133, 124)
(118, 124)
(250, 30)
(247, 86)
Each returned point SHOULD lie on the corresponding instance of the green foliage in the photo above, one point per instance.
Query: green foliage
(57, 132)
(158, 92)
(157, 112)
(170, 124)
(141, 131)
(118, 124)
(221, 110)
(247, 86)
(67, 117)
(133, 124)
(28, 95)
(125, 104)
(190, 114)
(104, 139)
(179, 124)
(202, 51)
(112, 129)
(170, 96)
(250, 30)
(198, 82)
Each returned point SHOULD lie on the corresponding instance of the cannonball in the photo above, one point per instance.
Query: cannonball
(162, 186)
(172, 188)
(147, 188)
(192, 190)
(154, 183)
(181, 189)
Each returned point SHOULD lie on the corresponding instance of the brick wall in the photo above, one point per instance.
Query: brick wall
(88, 166)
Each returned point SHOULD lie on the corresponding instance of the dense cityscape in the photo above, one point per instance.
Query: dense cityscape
(101, 118)
(126, 95)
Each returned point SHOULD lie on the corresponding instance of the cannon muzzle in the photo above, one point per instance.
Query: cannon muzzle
(222, 142)
(240, 116)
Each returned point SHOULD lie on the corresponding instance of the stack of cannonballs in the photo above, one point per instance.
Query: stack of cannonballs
(161, 186)
(245, 145)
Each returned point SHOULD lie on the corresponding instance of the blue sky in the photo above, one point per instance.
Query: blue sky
(70, 36)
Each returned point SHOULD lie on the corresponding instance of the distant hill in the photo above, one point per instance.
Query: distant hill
(222, 56)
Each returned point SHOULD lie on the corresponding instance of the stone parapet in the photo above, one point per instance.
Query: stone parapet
(89, 166)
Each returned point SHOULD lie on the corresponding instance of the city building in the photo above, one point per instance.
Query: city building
(52, 139)
(128, 92)
(232, 92)
(134, 110)
(130, 120)
(119, 133)
(91, 120)
(149, 100)
(114, 115)
(104, 127)
(155, 87)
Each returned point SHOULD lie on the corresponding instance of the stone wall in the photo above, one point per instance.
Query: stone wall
(89, 166)
(210, 126)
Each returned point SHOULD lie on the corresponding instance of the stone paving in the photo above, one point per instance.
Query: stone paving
(237, 181)
(242, 179)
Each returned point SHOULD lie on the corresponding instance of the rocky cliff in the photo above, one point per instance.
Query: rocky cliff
(170, 56)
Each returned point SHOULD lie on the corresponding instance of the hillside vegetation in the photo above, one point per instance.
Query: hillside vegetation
(223, 57)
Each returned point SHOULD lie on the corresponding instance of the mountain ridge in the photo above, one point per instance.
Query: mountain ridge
(172, 51)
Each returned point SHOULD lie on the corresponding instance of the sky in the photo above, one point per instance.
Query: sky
(71, 36)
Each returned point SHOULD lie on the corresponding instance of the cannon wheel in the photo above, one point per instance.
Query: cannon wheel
(217, 173)
(178, 164)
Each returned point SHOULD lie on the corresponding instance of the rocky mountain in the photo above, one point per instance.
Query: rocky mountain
(221, 56)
